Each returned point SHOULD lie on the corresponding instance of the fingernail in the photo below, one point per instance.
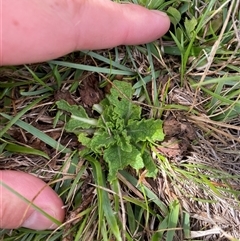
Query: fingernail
(160, 13)
(38, 221)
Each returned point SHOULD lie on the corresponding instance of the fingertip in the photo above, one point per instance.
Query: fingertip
(39, 221)
(118, 24)
(160, 13)
(32, 190)
(163, 17)
(144, 25)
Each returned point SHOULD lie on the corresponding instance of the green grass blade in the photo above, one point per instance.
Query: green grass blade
(186, 225)
(25, 150)
(103, 200)
(173, 219)
(14, 119)
(149, 193)
(107, 61)
(38, 80)
(93, 68)
(37, 133)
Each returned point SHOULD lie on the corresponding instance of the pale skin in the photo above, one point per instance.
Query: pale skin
(33, 31)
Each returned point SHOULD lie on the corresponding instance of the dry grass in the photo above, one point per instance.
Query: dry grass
(199, 162)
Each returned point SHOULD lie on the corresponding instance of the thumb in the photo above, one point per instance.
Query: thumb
(16, 212)
(104, 24)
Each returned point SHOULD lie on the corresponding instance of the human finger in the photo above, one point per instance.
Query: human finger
(16, 209)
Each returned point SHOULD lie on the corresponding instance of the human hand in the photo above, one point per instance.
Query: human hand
(34, 31)
(16, 212)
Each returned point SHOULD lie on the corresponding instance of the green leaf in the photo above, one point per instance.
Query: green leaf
(118, 159)
(175, 15)
(79, 118)
(186, 225)
(119, 135)
(101, 140)
(151, 195)
(123, 141)
(190, 26)
(215, 25)
(146, 130)
(151, 4)
(82, 138)
(120, 97)
(149, 164)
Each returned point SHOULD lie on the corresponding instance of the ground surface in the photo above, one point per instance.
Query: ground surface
(195, 194)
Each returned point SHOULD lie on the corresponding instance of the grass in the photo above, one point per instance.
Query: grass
(190, 80)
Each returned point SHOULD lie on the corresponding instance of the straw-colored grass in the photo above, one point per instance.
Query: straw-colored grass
(190, 80)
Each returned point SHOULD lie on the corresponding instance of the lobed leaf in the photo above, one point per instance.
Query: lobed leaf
(190, 25)
(146, 130)
(120, 98)
(118, 159)
(79, 118)
(120, 135)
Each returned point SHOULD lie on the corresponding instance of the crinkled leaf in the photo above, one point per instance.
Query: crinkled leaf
(120, 97)
(119, 133)
(79, 118)
(86, 141)
(121, 89)
(118, 159)
(190, 25)
(123, 140)
(126, 110)
(110, 120)
(111, 133)
(101, 140)
(106, 122)
(146, 130)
